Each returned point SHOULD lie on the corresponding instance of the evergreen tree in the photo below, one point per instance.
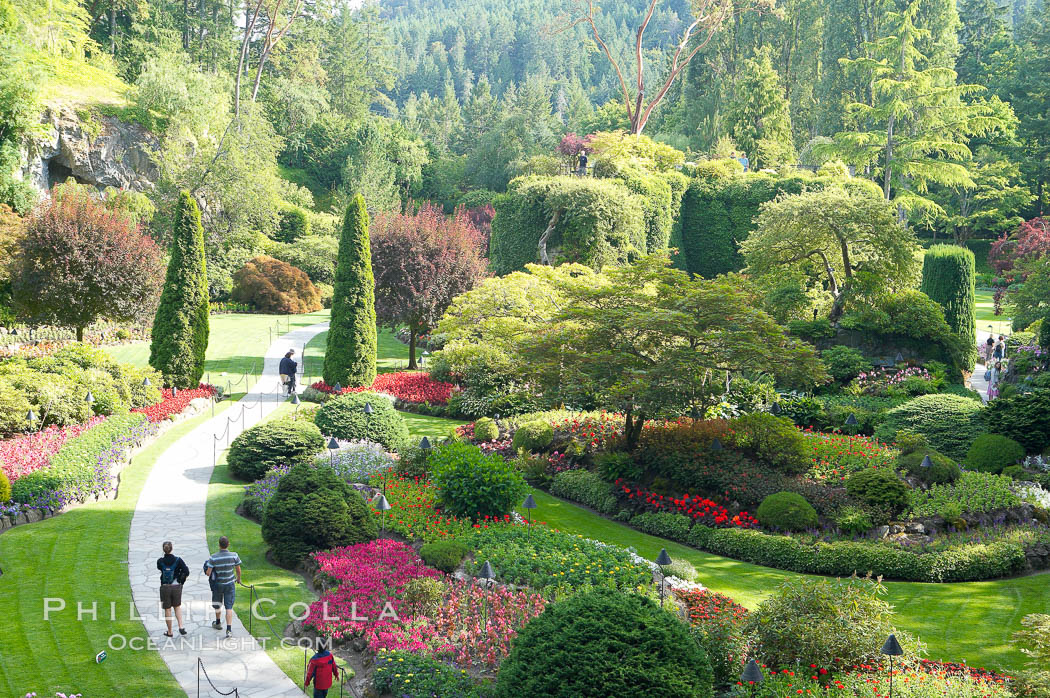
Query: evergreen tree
(948, 276)
(350, 358)
(984, 41)
(1031, 102)
(759, 116)
(180, 328)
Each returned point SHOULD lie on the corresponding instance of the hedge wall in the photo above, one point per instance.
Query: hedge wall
(948, 276)
(602, 222)
(718, 210)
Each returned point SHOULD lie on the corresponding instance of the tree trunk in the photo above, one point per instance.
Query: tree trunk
(186, 25)
(113, 28)
(632, 428)
(542, 244)
(411, 348)
(80, 334)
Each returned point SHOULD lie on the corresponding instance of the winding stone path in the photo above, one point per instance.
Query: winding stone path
(172, 507)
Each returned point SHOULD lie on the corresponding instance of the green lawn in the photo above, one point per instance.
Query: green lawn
(78, 556)
(1000, 324)
(236, 344)
(969, 621)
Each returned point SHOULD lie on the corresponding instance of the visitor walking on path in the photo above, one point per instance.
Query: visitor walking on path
(993, 383)
(224, 573)
(321, 671)
(288, 369)
(1000, 349)
(986, 351)
(173, 574)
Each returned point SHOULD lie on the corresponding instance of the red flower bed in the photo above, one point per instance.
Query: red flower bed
(173, 404)
(407, 386)
(700, 509)
(24, 454)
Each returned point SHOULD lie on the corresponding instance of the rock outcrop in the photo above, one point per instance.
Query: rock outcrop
(102, 152)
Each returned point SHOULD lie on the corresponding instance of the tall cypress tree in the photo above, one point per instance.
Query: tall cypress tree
(948, 277)
(350, 358)
(180, 328)
(761, 122)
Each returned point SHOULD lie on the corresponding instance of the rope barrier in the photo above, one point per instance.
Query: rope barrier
(200, 668)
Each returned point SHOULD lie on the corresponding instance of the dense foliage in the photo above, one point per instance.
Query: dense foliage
(949, 422)
(948, 278)
(471, 483)
(345, 418)
(273, 286)
(271, 444)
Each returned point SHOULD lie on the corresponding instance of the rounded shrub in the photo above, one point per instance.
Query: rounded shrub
(1016, 472)
(485, 429)
(13, 409)
(444, 555)
(5, 488)
(533, 436)
(314, 509)
(345, 418)
(853, 520)
(787, 511)
(941, 470)
(472, 483)
(274, 286)
(1025, 418)
(266, 445)
(879, 487)
(605, 643)
(844, 363)
(774, 440)
(950, 423)
(990, 453)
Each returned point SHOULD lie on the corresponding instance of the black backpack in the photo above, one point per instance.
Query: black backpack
(167, 572)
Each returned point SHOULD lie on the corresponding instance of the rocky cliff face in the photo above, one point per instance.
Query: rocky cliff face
(102, 152)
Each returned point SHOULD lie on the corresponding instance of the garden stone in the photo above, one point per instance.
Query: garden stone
(5, 523)
(199, 404)
(19, 519)
(915, 529)
(882, 531)
(33, 515)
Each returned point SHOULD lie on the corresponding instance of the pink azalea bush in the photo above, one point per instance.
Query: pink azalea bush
(25, 454)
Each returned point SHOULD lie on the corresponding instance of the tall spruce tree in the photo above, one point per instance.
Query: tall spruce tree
(759, 116)
(350, 358)
(180, 327)
(948, 277)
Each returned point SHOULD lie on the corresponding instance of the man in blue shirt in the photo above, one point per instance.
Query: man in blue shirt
(224, 573)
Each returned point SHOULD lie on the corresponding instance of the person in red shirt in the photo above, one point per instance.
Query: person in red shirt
(321, 671)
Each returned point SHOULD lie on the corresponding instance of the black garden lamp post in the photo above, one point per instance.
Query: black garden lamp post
(89, 398)
(776, 409)
(528, 505)
(175, 390)
(146, 382)
(488, 575)
(31, 418)
(752, 675)
(423, 357)
(891, 648)
(382, 506)
(426, 448)
(926, 462)
(716, 445)
(663, 560)
(368, 408)
(333, 446)
(296, 401)
(337, 388)
(899, 359)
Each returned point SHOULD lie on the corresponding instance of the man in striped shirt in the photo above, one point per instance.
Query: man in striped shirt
(224, 573)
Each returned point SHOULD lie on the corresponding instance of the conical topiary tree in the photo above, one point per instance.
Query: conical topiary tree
(948, 277)
(350, 358)
(180, 328)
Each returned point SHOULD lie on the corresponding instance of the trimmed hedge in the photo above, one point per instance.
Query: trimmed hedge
(585, 487)
(949, 422)
(1024, 418)
(990, 453)
(942, 469)
(664, 524)
(787, 511)
(345, 418)
(879, 488)
(281, 442)
(948, 276)
(444, 555)
(605, 643)
(534, 435)
(844, 558)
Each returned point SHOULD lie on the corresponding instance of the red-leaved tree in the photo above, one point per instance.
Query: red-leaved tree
(80, 262)
(1030, 241)
(421, 261)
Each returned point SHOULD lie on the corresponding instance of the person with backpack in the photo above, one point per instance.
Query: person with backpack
(1000, 349)
(173, 574)
(321, 671)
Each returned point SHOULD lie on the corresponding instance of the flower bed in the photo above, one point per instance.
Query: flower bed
(26, 454)
(414, 387)
(836, 456)
(717, 623)
(414, 512)
(174, 404)
(700, 509)
(972, 493)
(410, 675)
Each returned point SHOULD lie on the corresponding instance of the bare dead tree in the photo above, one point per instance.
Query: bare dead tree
(709, 17)
(251, 16)
(274, 35)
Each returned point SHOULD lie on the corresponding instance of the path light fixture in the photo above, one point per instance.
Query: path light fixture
(382, 506)
(716, 444)
(423, 358)
(663, 560)
(337, 387)
(486, 572)
(31, 418)
(333, 446)
(528, 505)
(146, 382)
(891, 648)
(694, 412)
(174, 390)
(752, 675)
(899, 358)
(424, 444)
(776, 409)
(851, 420)
(368, 408)
(89, 398)
(926, 462)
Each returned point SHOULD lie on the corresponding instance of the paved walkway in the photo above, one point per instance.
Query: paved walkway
(172, 507)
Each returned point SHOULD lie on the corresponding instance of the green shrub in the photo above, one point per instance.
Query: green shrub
(533, 436)
(990, 453)
(879, 488)
(853, 521)
(772, 439)
(1016, 472)
(314, 509)
(472, 483)
(485, 429)
(844, 363)
(292, 224)
(942, 469)
(266, 445)
(1025, 418)
(605, 643)
(13, 410)
(350, 357)
(5, 488)
(56, 398)
(1044, 333)
(410, 675)
(950, 423)
(444, 555)
(822, 621)
(615, 465)
(948, 274)
(585, 487)
(180, 327)
(973, 492)
(345, 418)
(786, 511)
(663, 524)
